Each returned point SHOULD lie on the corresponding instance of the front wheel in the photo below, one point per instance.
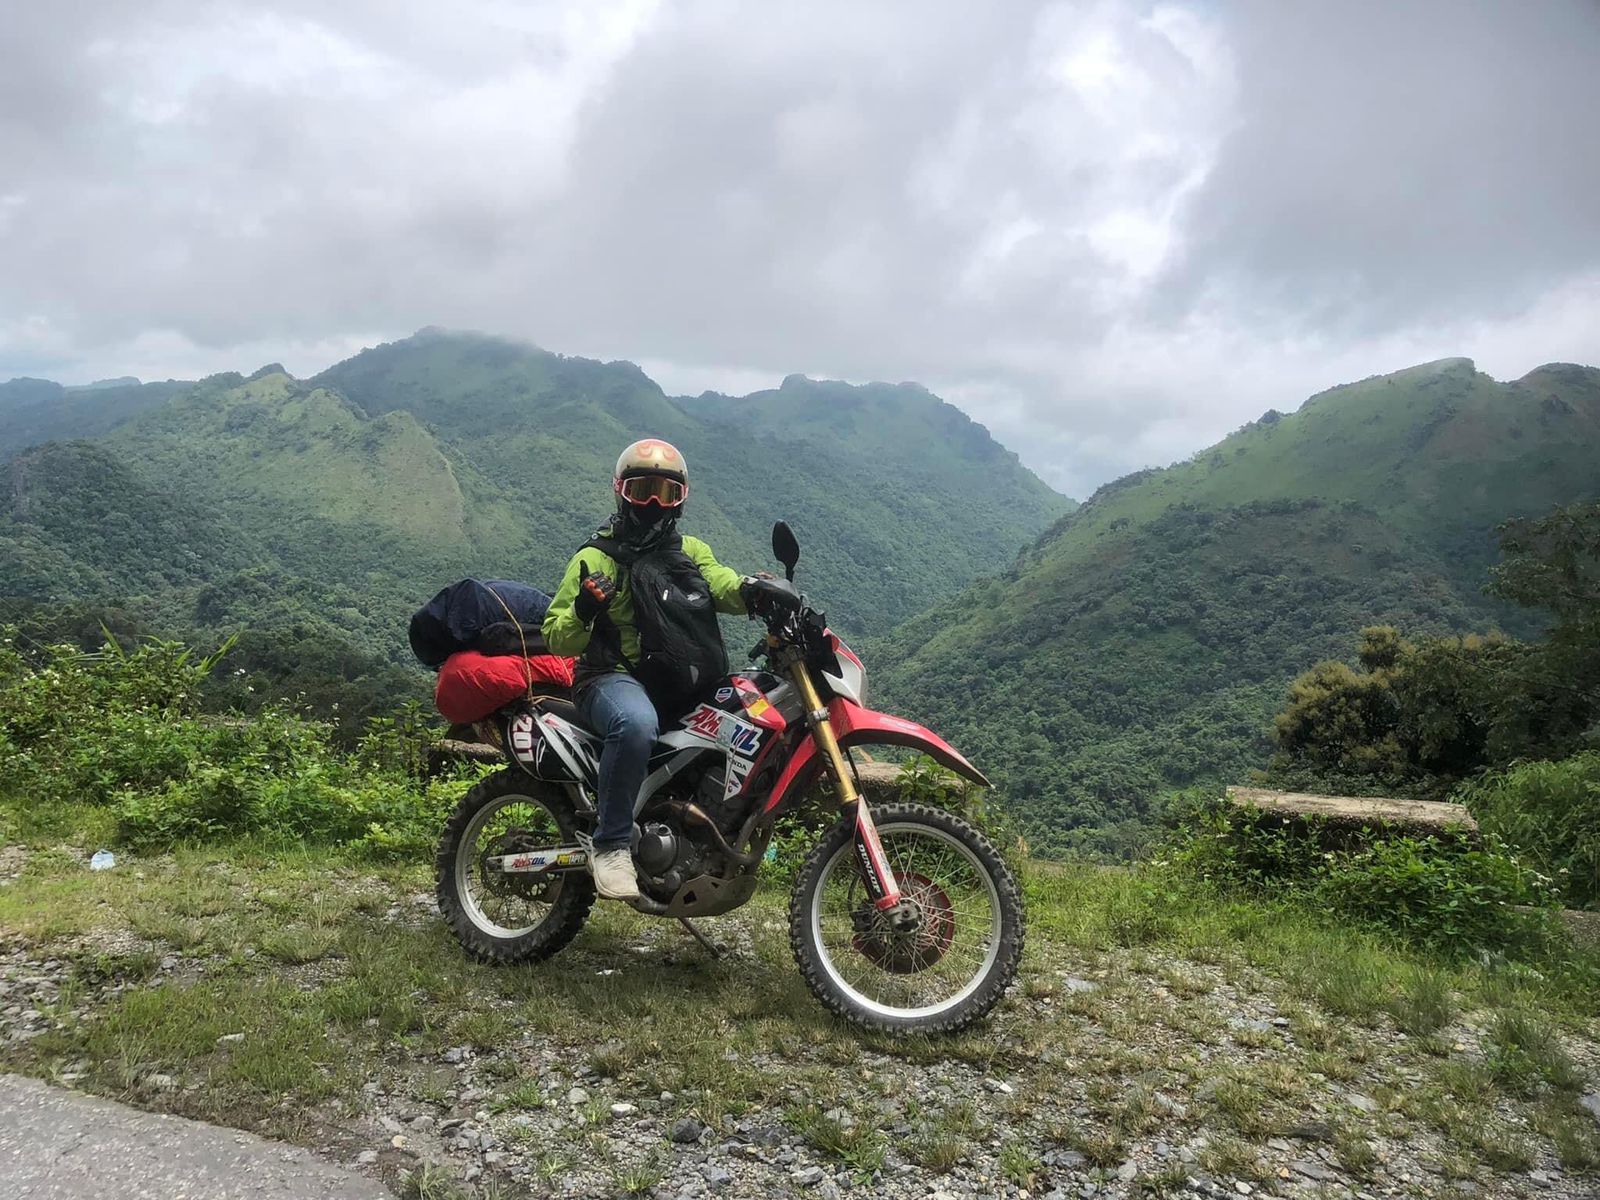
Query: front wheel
(956, 958)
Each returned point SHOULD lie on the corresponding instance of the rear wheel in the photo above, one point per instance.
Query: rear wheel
(513, 918)
(942, 969)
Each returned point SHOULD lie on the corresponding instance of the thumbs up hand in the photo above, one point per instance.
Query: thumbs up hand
(595, 594)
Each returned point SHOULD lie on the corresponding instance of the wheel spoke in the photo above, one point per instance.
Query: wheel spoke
(938, 960)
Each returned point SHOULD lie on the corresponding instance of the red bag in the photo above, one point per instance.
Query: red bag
(473, 685)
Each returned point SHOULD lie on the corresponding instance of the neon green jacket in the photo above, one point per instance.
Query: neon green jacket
(567, 635)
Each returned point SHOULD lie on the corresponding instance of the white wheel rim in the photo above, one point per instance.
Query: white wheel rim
(466, 863)
(832, 967)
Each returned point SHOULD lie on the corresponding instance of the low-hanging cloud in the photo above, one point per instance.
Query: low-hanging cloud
(1109, 230)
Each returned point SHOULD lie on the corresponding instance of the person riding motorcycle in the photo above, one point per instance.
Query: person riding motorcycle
(639, 652)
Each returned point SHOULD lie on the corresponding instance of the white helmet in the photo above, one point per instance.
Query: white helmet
(651, 472)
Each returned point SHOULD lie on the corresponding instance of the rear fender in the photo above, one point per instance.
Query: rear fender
(854, 725)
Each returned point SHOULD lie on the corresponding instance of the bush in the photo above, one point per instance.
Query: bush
(1439, 895)
(923, 781)
(1550, 812)
(1437, 891)
(121, 731)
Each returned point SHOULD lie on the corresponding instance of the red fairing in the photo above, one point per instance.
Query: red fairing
(473, 685)
(856, 726)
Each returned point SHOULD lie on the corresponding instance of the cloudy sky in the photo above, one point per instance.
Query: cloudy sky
(1111, 230)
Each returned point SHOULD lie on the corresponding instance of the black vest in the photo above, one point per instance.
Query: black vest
(681, 655)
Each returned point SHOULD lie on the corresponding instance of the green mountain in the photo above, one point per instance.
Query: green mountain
(33, 411)
(79, 521)
(1142, 642)
(338, 504)
(896, 496)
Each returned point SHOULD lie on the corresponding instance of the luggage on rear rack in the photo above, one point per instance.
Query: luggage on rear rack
(484, 639)
(491, 616)
(472, 685)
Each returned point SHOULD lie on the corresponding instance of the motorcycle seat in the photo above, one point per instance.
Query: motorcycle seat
(559, 704)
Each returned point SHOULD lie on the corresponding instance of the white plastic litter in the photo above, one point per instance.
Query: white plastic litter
(103, 860)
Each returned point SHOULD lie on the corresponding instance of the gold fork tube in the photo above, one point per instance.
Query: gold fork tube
(822, 730)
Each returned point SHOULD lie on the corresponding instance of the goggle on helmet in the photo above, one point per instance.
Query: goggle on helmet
(652, 472)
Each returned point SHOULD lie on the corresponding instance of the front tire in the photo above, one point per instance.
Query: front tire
(943, 976)
(501, 918)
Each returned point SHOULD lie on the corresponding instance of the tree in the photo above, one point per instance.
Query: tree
(1553, 563)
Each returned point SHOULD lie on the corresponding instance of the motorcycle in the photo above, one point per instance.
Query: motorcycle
(903, 917)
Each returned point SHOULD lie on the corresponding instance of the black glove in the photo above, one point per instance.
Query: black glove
(595, 594)
(764, 596)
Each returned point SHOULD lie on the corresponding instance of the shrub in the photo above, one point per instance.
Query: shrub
(1435, 891)
(121, 731)
(1550, 812)
(1439, 895)
(923, 781)
(1251, 852)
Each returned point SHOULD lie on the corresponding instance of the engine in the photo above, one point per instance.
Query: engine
(727, 812)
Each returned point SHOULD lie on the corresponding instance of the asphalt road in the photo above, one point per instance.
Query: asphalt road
(61, 1145)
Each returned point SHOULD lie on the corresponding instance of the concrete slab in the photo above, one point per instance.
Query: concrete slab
(1425, 813)
(61, 1145)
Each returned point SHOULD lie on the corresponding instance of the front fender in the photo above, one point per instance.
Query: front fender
(854, 725)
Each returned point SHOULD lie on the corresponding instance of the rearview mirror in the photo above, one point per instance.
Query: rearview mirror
(784, 548)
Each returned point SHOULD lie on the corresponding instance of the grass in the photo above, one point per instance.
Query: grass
(855, 1143)
(640, 1178)
(1525, 1053)
(294, 950)
(1423, 1004)
(1019, 1164)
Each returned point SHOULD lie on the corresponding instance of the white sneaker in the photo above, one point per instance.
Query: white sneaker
(613, 872)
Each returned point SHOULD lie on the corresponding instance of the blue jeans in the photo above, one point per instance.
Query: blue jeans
(616, 707)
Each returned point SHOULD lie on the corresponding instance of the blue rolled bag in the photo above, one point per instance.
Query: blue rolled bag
(492, 616)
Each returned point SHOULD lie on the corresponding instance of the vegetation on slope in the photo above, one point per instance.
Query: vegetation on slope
(1422, 716)
(1144, 641)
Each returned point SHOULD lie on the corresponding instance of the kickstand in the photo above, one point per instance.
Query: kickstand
(712, 948)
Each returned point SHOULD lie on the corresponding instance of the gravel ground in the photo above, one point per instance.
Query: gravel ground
(588, 1135)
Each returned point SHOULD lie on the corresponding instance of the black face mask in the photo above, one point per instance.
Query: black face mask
(635, 523)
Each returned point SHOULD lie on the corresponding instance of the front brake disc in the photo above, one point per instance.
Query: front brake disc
(916, 949)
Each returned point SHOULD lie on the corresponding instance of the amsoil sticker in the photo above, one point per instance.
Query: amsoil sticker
(724, 694)
(740, 737)
(705, 722)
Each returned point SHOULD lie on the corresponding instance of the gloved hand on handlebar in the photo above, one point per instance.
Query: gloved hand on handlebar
(595, 594)
(765, 596)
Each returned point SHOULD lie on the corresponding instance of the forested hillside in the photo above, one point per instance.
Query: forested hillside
(881, 482)
(314, 513)
(1144, 641)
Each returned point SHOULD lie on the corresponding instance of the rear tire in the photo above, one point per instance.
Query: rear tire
(825, 969)
(570, 894)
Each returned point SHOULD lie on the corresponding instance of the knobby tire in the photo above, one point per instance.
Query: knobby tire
(1000, 973)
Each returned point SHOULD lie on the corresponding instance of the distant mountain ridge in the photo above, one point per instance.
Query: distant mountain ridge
(447, 454)
(1143, 640)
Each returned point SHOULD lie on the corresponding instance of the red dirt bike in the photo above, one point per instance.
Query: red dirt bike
(903, 919)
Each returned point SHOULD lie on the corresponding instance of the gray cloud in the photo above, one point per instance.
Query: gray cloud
(1110, 230)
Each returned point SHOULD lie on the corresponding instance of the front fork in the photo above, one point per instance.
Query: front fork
(876, 873)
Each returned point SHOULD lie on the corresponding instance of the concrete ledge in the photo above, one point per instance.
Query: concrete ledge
(1423, 816)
